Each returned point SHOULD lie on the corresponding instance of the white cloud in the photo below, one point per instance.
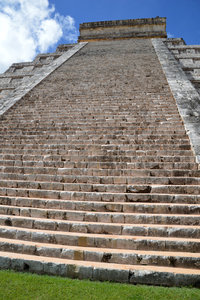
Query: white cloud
(29, 27)
(49, 32)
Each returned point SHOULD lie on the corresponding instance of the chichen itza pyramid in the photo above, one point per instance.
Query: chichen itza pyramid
(99, 158)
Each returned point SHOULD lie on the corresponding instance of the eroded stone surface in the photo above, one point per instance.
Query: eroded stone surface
(97, 176)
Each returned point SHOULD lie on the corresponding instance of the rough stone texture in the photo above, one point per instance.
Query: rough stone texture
(187, 98)
(97, 176)
(26, 82)
(189, 58)
(123, 29)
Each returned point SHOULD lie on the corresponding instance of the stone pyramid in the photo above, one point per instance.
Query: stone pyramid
(99, 158)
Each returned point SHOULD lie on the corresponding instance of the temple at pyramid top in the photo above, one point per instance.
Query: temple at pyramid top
(123, 29)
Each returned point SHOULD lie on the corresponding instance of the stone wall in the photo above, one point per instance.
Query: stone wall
(123, 29)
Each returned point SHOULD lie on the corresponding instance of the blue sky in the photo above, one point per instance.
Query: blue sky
(183, 16)
(29, 27)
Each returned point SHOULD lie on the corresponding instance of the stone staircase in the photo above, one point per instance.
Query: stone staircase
(97, 176)
(21, 78)
(22, 73)
(189, 58)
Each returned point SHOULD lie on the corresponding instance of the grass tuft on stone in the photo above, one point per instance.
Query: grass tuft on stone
(17, 286)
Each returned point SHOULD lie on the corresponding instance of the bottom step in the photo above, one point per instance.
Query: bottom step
(152, 275)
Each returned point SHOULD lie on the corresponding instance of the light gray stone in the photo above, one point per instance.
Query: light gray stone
(187, 98)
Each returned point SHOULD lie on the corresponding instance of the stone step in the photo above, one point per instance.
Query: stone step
(87, 135)
(145, 180)
(159, 114)
(80, 120)
(192, 67)
(135, 106)
(99, 222)
(115, 126)
(100, 206)
(154, 172)
(57, 133)
(186, 48)
(95, 150)
(102, 187)
(192, 56)
(141, 105)
(60, 133)
(74, 152)
(96, 118)
(136, 101)
(114, 105)
(115, 172)
(128, 257)
(113, 241)
(73, 104)
(134, 274)
(105, 197)
(48, 153)
(37, 103)
(34, 127)
(99, 196)
(103, 145)
(175, 143)
(108, 112)
(30, 130)
(92, 158)
(98, 165)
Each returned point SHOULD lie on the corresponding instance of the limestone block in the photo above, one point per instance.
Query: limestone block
(101, 274)
(93, 256)
(5, 263)
(55, 269)
(153, 278)
(66, 240)
(18, 265)
(79, 228)
(45, 224)
(67, 253)
(63, 226)
(34, 266)
(135, 230)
